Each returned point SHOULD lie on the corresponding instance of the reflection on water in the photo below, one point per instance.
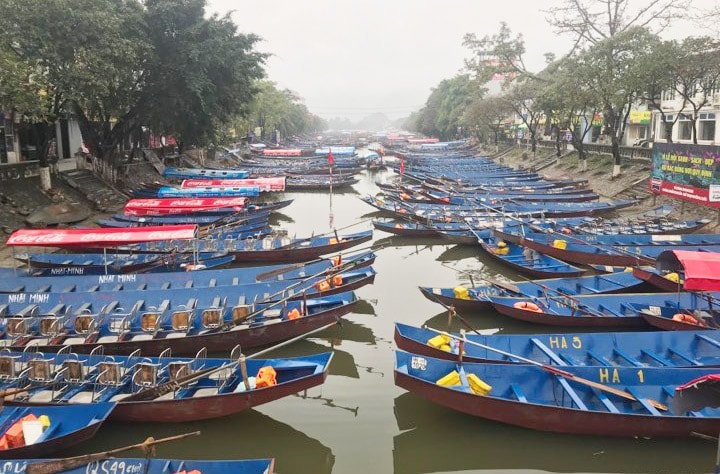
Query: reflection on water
(364, 306)
(437, 439)
(278, 218)
(249, 434)
(346, 426)
(329, 403)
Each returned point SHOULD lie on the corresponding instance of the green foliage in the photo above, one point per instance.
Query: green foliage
(202, 71)
(446, 106)
(119, 65)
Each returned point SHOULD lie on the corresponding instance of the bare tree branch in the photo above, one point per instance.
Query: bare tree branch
(591, 21)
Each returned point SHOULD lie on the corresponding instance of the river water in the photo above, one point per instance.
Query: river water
(358, 421)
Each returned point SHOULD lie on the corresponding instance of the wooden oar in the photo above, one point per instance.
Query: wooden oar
(159, 390)
(61, 465)
(554, 370)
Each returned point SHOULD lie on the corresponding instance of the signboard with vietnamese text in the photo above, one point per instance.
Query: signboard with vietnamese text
(689, 172)
(640, 117)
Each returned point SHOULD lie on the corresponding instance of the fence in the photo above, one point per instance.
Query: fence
(627, 152)
(23, 169)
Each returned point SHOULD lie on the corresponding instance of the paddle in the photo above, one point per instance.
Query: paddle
(159, 390)
(548, 368)
(61, 465)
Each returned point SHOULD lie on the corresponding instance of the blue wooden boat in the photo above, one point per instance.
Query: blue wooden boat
(183, 321)
(689, 316)
(629, 402)
(316, 182)
(346, 278)
(528, 261)
(637, 349)
(209, 191)
(475, 299)
(592, 310)
(10, 282)
(191, 173)
(217, 387)
(57, 264)
(285, 249)
(158, 466)
(585, 250)
(69, 425)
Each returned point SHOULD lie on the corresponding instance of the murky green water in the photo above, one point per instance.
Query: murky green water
(359, 422)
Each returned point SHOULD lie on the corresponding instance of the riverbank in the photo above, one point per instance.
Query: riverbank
(632, 183)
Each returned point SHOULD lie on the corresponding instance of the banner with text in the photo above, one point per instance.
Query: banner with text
(689, 172)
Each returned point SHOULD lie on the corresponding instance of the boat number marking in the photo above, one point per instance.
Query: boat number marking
(560, 342)
(613, 376)
(418, 363)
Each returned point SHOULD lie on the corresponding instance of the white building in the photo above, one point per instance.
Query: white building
(680, 119)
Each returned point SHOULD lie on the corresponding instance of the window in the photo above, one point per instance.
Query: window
(668, 94)
(706, 127)
(685, 127)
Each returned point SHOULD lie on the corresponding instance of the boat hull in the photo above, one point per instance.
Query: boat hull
(555, 419)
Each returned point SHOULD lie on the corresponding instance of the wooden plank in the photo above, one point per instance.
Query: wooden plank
(628, 357)
(547, 351)
(684, 356)
(643, 401)
(571, 392)
(655, 357)
(707, 339)
(603, 361)
(605, 401)
(517, 391)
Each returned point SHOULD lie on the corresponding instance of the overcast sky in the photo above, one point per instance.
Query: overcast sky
(352, 58)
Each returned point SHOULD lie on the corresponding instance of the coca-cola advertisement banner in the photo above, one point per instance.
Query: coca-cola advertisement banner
(96, 237)
(186, 203)
(265, 184)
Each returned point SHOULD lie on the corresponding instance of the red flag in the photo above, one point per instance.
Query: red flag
(331, 160)
(402, 166)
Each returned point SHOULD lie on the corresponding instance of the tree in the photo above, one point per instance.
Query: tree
(521, 98)
(496, 56)
(440, 117)
(119, 65)
(570, 104)
(697, 74)
(202, 72)
(595, 21)
(486, 117)
(659, 75)
(611, 71)
(68, 48)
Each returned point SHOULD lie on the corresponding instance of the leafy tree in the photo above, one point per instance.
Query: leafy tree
(611, 71)
(499, 55)
(445, 107)
(487, 117)
(119, 65)
(570, 104)
(658, 74)
(521, 98)
(697, 74)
